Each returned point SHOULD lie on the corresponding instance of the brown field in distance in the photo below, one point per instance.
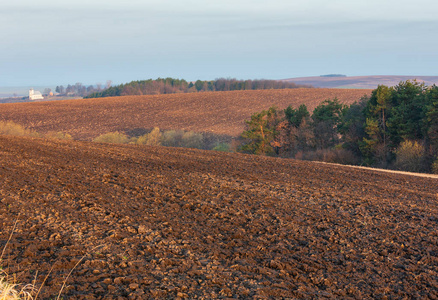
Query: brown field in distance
(221, 113)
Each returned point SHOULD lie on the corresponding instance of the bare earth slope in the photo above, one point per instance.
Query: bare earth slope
(217, 112)
(198, 224)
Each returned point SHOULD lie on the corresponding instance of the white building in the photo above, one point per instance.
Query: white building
(35, 95)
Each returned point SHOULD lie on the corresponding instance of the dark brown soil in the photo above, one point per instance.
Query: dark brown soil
(195, 224)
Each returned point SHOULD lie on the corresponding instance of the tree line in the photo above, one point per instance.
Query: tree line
(171, 86)
(395, 127)
(78, 89)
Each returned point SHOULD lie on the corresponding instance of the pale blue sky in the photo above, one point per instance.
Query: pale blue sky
(46, 42)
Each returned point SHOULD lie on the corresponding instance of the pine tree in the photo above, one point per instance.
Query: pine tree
(261, 132)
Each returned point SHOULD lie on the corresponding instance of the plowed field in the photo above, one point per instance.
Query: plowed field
(202, 224)
(221, 113)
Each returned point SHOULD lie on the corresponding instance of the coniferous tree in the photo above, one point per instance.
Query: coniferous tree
(296, 116)
(352, 127)
(375, 143)
(408, 112)
(261, 132)
(432, 120)
(327, 118)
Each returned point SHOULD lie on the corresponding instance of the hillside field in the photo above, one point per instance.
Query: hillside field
(221, 113)
(156, 222)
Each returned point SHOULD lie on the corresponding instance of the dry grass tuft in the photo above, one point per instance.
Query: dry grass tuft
(12, 291)
(9, 289)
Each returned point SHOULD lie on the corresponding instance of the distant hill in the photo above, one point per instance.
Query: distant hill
(359, 82)
(174, 86)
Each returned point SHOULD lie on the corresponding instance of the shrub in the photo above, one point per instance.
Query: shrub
(9, 290)
(222, 147)
(10, 128)
(179, 138)
(141, 140)
(410, 156)
(172, 138)
(434, 166)
(337, 155)
(152, 138)
(192, 139)
(58, 135)
(112, 137)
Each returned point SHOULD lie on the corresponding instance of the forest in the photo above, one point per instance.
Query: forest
(171, 86)
(396, 127)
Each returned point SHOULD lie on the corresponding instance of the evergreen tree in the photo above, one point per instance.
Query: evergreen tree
(407, 118)
(352, 127)
(261, 132)
(432, 119)
(327, 119)
(375, 142)
(296, 116)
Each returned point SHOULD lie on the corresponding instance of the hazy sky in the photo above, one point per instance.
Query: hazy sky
(45, 42)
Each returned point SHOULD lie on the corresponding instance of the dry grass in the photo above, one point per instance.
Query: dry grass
(12, 291)
(9, 289)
